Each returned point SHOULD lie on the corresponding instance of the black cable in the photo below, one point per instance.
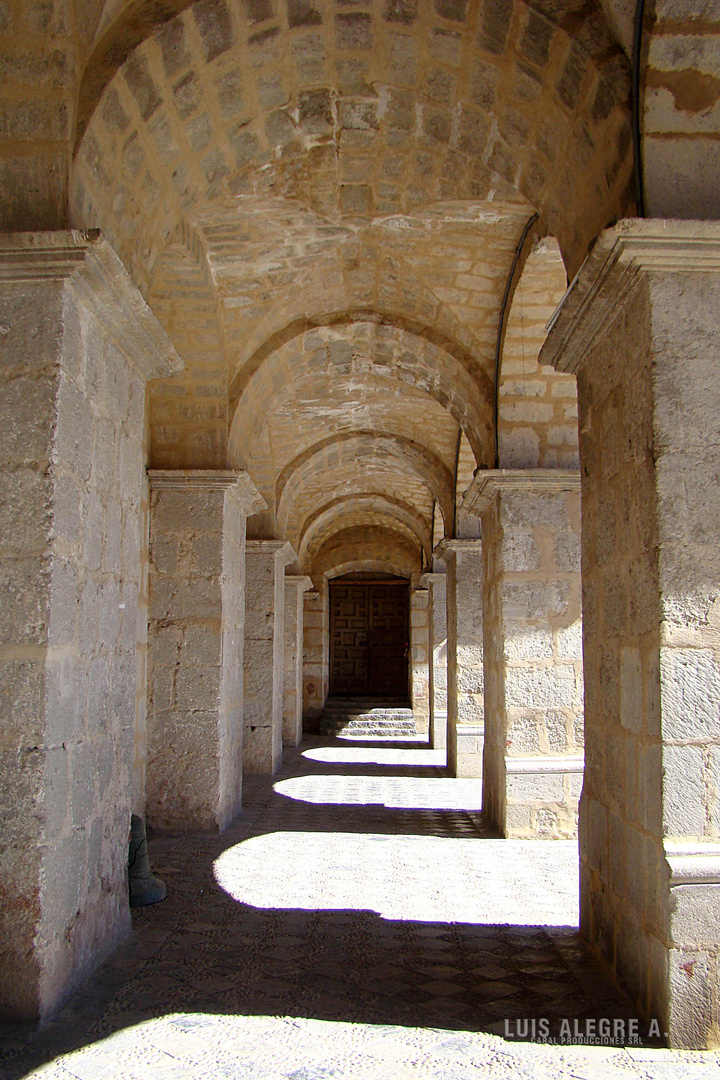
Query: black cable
(636, 103)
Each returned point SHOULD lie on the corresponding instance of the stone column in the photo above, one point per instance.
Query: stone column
(437, 658)
(465, 693)
(641, 330)
(533, 765)
(265, 562)
(419, 673)
(295, 587)
(77, 344)
(315, 650)
(195, 646)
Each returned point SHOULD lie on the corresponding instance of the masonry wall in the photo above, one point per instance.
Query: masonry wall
(419, 660)
(533, 662)
(315, 651)
(649, 406)
(195, 693)
(465, 677)
(71, 467)
(438, 660)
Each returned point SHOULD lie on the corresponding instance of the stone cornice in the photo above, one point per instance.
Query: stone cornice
(86, 259)
(432, 578)
(251, 501)
(450, 549)
(300, 581)
(693, 863)
(490, 482)
(620, 259)
(283, 550)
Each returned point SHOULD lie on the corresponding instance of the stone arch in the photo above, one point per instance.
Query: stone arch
(360, 451)
(356, 281)
(537, 406)
(472, 107)
(368, 354)
(377, 549)
(188, 430)
(375, 509)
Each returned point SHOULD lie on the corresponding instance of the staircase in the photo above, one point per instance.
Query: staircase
(367, 717)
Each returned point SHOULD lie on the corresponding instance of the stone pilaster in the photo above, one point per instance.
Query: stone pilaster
(265, 562)
(295, 588)
(641, 332)
(465, 681)
(533, 764)
(419, 663)
(437, 658)
(77, 344)
(315, 650)
(195, 646)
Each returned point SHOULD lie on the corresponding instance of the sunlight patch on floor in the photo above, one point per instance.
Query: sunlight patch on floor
(380, 755)
(413, 878)
(396, 792)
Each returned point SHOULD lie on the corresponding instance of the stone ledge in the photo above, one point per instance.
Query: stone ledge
(300, 581)
(450, 549)
(86, 259)
(693, 863)
(611, 273)
(539, 765)
(280, 549)
(487, 483)
(251, 500)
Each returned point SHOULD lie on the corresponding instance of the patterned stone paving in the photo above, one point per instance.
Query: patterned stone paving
(359, 920)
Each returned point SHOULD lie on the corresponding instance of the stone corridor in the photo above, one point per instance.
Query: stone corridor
(358, 920)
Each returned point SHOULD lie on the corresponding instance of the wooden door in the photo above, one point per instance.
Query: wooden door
(388, 644)
(369, 639)
(349, 624)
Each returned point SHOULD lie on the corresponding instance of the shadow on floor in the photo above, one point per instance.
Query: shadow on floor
(203, 952)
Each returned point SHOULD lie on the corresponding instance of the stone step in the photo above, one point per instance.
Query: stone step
(355, 716)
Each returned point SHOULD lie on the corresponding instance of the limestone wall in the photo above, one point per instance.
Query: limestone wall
(537, 423)
(264, 653)
(419, 661)
(197, 610)
(532, 656)
(315, 650)
(71, 469)
(465, 677)
(437, 658)
(295, 589)
(646, 356)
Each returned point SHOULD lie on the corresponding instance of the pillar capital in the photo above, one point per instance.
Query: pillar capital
(86, 260)
(632, 250)
(431, 579)
(281, 550)
(301, 582)
(450, 549)
(487, 483)
(251, 500)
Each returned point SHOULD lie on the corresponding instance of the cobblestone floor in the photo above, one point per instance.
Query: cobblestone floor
(358, 922)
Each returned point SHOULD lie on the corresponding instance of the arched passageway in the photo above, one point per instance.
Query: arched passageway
(297, 290)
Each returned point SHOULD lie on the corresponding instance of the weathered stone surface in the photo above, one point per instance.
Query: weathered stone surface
(532, 645)
(650, 572)
(465, 679)
(78, 344)
(296, 586)
(195, 647)
(265, 562)
(437, 658)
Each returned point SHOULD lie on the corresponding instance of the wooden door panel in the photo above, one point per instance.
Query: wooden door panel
(369, 640)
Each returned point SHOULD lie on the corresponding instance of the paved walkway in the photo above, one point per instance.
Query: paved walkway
(358, 922)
